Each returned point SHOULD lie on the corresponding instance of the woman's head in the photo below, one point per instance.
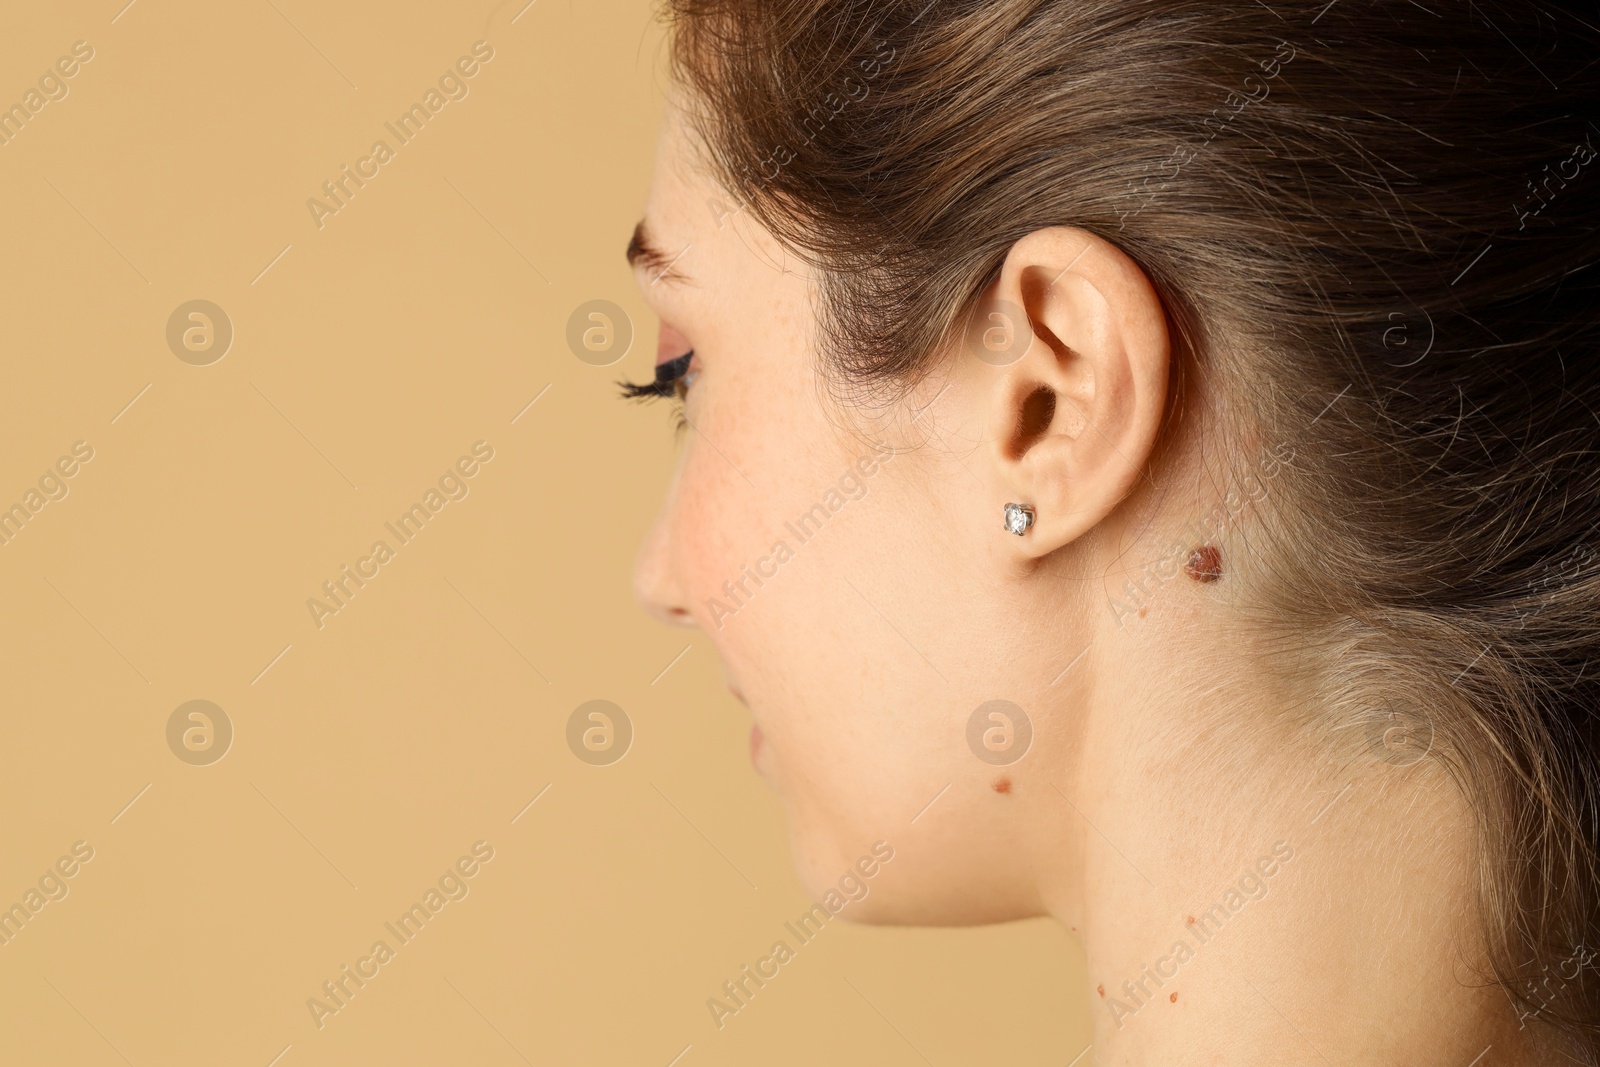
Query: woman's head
(1305, 284)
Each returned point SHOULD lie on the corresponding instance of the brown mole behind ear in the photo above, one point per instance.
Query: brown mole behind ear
(1205, 564)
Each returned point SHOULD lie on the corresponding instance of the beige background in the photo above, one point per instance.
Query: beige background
(368, 755)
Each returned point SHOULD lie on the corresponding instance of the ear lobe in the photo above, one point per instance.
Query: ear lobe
(1075, 412)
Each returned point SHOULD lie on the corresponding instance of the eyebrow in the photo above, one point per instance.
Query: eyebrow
(642, 251)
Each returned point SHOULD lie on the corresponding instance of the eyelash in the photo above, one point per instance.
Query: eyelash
(672, 379)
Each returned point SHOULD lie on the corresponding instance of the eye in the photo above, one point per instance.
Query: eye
(681, 377)
(673, 378)
(690, 372)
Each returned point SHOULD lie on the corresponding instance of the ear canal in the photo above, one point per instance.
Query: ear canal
(1038, 411)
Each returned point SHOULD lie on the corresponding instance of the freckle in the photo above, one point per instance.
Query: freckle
(1101, 989)
(1191, 920)
(1173, 998)
(1142, 612)
(1002, 785)
(1205, 564)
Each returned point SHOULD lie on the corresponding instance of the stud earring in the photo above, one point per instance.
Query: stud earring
(1018, 518)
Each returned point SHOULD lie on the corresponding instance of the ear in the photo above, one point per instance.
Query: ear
(1077, 390)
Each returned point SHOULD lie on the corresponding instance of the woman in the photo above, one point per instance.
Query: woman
(1140, 469)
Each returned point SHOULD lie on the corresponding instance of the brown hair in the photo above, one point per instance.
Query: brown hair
(1373, 226)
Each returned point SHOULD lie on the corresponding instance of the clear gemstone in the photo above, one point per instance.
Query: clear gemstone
(1017, 519)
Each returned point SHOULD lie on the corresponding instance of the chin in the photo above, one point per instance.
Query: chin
(848, 879)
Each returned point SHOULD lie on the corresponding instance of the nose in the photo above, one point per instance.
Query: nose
(655, 580)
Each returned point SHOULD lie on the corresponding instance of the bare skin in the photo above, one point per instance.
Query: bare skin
(1163, 770)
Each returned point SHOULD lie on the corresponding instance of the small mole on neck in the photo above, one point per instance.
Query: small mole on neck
(1002, 784)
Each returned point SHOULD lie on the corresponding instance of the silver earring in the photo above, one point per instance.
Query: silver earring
(1018, 518)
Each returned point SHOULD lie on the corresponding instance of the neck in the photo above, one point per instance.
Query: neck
(1243, 900)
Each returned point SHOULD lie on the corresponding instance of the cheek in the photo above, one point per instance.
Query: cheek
(810, 590)
(862, 731)
(718, 533)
